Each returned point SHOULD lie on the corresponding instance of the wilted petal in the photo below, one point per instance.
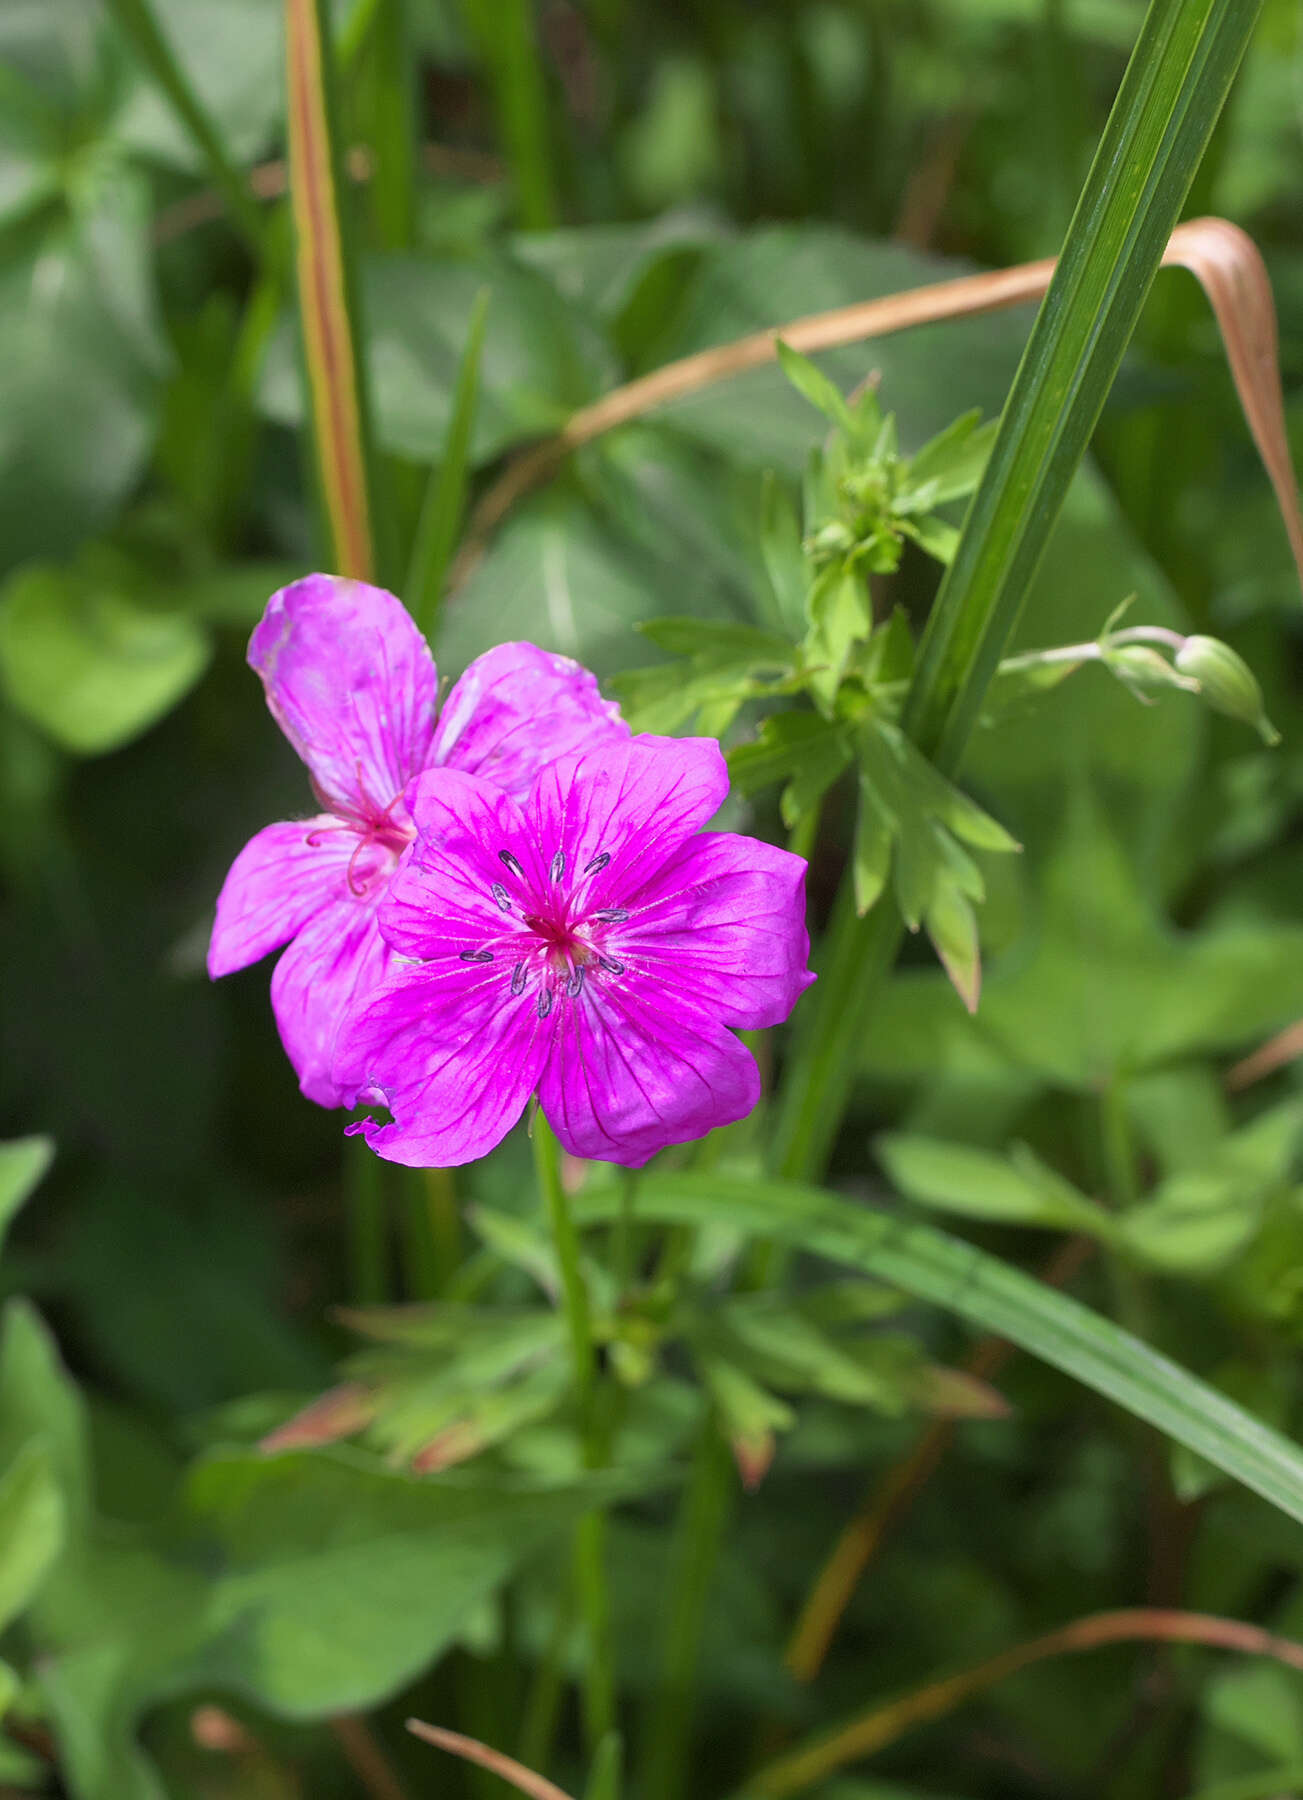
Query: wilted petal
(454, 1054)
(518, 707)
(627, 807)
(626, 1077)
(352, 684)
(278, 881)
(337, 957)
(724, 924)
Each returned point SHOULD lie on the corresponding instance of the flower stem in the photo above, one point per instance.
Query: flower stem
(703, 1517)
(590, 1533)
(368, 1236)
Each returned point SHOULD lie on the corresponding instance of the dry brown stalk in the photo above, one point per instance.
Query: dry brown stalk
(887, 1502)
(880, 1726)
(1223, 258)
(365, 1757)
(537, 1787)
(1284, 1048)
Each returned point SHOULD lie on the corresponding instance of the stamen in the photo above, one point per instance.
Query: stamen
(611, 966)
(501, 896)
(475, 955)
(598, 864)
(575, 985)
(558, 865)
(508, 860)
(611, 915)
(545, 1003)
(518, 977)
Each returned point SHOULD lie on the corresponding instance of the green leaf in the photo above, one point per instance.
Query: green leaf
(990, 1294)
(541, 359)
(811, 382)
(325, 1552)
(1021, 1191)
(803, 749)
(954, 459)
(724, 646)
(38, 1401)
(445, 499)
(606, 1776)
(88, 663)
(23, 1162)
(32, 1517)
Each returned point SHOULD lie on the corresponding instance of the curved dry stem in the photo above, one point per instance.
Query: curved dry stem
(890, 1499)
(1223, 258)
(524, 1780)
(875, 1729)
(1285, 1047)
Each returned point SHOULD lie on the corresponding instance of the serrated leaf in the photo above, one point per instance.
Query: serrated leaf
(811, 382)
(806, 750)
(782, 553)
(952, 462)
(871, 856)
(724, 646)
(952, 926)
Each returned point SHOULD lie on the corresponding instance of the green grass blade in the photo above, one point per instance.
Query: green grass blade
(445, 497)
(141, 28)
(992, 1295)
(328, 304)
(504, 34)
(1169, 101)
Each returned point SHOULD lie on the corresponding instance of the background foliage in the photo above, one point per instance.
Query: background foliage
(627, 184)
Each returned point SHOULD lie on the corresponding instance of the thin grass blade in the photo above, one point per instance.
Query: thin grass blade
(991, 1294)
(445, 497)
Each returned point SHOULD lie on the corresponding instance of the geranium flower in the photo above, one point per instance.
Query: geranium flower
(352, 684)
(591, 945)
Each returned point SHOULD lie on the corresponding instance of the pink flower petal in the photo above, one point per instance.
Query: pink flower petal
(457, 887)
(626, 1077)
(518, 707)
(626, 808)
(279, 880)
(352, 684)
(337, 957)
(453, 1053)
(724, 924)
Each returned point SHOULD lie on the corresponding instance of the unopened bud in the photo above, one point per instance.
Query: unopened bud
(1226, 682)
(1140, 667)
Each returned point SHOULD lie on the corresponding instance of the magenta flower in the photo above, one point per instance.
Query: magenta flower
(351, 682)
(591, 945)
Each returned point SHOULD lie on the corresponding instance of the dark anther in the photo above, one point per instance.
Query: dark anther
(545, 1003)
(597, 865)
(475, 955)
(508, 860)
(575, 985)
(518, 978)
(558, 865)
(611, 915)
(501, 896)
(611, 966)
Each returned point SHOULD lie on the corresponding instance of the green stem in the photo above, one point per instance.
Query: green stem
(703, 1516)
(543, 1703)
(590, 1533)
(368, 1236)
(1171, 95)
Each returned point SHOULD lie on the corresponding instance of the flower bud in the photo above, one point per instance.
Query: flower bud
(1139, 666)
(1226, 682)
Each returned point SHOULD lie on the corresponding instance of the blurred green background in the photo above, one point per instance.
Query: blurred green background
(632, 182)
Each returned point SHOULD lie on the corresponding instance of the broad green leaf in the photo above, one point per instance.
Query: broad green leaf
(541, 359)
(1012, 1190)
(993, 1296)
(723, 645)
(38, 1401)
(324, 1552)
(32, 1514)
(91, 665)
(23, 1162)
(79, 377)
(801, 749)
